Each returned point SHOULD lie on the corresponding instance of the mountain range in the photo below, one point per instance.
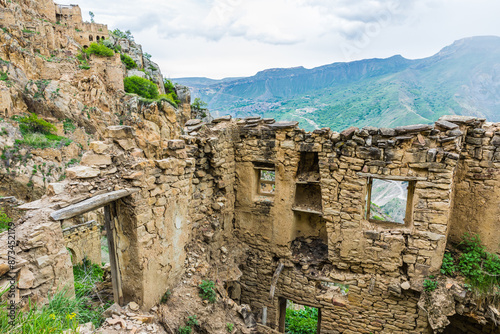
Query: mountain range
(462, 79)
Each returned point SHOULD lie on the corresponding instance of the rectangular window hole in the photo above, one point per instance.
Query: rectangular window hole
(389, 200)
(266, 182)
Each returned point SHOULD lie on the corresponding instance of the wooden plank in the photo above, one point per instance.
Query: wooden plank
(91, 204)
(113, 259)
(274, 281)
(304, 210)
(392, 177)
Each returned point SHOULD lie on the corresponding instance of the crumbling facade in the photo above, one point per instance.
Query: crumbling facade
(308, 236)
(269, 211)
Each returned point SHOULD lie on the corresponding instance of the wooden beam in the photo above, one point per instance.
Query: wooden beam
(90, 204)
(392, 177)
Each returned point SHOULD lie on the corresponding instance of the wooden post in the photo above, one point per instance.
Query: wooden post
(318, 328)
(282, 318)
(109, 224)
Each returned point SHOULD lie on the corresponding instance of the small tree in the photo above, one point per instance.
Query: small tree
(199, 104)
(91, 17)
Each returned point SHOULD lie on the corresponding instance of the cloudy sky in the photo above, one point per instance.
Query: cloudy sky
(228, 38)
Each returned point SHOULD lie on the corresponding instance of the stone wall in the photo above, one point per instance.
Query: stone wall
(477, 187)
(84, 241)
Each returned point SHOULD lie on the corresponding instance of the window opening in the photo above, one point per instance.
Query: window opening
(389, 200)
(267, 182)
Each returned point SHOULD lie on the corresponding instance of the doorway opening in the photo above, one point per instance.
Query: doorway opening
(297, 318)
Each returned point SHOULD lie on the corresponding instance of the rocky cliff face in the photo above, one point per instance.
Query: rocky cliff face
(41, 73)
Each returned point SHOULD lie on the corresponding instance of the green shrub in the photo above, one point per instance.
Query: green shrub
(34, 124)
(99, 50)
(229, 327)
(207, 291)
(170, 99)
(166, 297)
(170, 90)
(448, 267)
(4, 76)
(430, 285)
(140, 86)
(128, 61)
(304, 321)
(481, 268)
(4, 221)
(192, 321)
(185, 330)
(107, 43)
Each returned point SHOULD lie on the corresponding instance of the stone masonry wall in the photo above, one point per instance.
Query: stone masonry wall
(477, 187)
(84, 241)
(383, 264)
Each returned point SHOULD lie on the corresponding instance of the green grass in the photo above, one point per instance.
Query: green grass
(60, 313)
(40, 140)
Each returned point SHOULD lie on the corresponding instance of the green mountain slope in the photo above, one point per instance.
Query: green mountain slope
(463, 78)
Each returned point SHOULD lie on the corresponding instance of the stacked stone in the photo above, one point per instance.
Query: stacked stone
(84, 241)
(476, 192)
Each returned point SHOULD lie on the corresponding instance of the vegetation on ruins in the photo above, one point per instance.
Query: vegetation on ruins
(4, 221)
(128, 61)
(478, 266)
(140, 86)
(191, 322)
(166, 296)
(99, 49)
(61, 312)
(207, 291)
(229, 327)
(430, 285)
(301, 321)
(38, 133)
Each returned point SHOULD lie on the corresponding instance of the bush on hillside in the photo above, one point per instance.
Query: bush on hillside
(99, 50)
(128, 61)
(34, 124)
(140, 86)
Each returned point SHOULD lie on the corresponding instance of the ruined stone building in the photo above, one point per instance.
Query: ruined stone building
(269, 211)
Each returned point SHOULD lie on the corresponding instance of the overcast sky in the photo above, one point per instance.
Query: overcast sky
(228, 38)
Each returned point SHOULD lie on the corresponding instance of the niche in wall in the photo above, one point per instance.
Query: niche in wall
(308, 170)
(308, 198)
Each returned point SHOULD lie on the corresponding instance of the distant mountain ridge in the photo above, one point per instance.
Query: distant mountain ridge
(463, 79)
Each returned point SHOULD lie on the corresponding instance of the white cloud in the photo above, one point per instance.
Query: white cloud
(239, 37)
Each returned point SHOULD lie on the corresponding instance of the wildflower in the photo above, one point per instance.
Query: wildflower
(52, 316)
